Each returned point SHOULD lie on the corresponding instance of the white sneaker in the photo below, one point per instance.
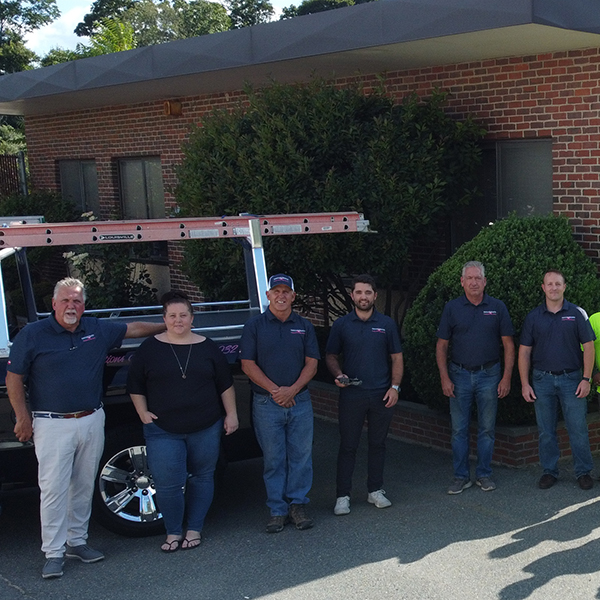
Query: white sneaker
(342, 506)
(378, 499)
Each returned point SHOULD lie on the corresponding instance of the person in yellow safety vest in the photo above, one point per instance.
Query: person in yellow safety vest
(595, 323)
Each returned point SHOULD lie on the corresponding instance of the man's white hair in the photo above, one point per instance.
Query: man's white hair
(69, 282)
(473, 264)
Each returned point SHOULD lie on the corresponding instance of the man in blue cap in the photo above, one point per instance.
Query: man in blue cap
(279, 353)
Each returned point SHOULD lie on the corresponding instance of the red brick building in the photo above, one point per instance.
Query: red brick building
(108, 130)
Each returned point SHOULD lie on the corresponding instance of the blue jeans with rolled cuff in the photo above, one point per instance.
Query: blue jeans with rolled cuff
(482, 387)
(183, 468)
(550, 390)
(285, 436)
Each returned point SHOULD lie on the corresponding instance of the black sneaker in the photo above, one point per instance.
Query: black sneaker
(277, 523)
(299, 517)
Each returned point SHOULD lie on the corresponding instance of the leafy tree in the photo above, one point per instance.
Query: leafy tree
(111, 36)
(516, 253)
(111, 279)
(55, 210)
(102, 9)
(199, 17)
(245, 13)
(313, 148)
(57, 55)
(156, 23)
(12, 140)
(312, 6)
(14, 55)
(308, 7)
(19, 17)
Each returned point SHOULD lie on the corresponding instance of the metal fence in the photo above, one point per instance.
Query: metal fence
(10, 174)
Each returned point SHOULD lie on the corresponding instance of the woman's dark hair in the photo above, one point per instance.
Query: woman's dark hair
(175, 297)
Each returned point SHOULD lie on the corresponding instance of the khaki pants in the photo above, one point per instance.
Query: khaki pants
(68, 453)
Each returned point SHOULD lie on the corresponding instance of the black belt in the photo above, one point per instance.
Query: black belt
(563, 372)
(482, 367)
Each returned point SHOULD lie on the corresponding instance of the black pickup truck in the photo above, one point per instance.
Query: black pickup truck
(124, 496)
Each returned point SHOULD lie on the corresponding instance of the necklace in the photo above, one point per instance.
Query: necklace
(187, 362)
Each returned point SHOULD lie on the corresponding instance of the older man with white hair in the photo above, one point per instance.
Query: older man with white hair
(61, 359)
(475, 326)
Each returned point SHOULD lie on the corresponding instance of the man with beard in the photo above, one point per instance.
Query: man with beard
(370, 383)
(478, 326)
(61, 359)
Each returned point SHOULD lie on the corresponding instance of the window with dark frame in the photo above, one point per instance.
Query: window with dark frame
(515, 176)
(142, 197)
(79, 184)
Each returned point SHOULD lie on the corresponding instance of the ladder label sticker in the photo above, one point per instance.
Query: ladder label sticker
(204, 233)
(241, 231)
(287, 229)
(115, 237)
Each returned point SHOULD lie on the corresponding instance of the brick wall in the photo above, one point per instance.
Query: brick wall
(551, 96)
(417, 424)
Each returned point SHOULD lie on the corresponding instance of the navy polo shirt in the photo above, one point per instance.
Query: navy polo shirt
(279, 348)
(63, 370)
(556, 338)
(366, 347)
(475, 331)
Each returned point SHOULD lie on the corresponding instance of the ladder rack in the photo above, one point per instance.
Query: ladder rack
(152, 230)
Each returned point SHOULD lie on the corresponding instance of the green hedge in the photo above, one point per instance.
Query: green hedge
(516, 253)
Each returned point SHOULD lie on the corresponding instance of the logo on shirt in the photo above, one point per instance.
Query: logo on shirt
(298, 331)
(489, 313)
(88, 338)
(378, 329)
(567, 318)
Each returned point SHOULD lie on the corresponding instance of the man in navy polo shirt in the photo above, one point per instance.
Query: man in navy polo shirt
(62, 360)
(372, 354)
(279, 353)
(551, 341)
(476, 326)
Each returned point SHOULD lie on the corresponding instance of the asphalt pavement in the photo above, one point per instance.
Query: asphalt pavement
(513, 543)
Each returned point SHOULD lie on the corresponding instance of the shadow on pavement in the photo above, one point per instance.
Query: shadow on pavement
(506, 544)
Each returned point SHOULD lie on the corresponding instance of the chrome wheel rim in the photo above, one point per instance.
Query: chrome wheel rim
(127, 488)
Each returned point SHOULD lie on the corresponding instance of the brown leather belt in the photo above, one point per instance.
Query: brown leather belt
(74, 415)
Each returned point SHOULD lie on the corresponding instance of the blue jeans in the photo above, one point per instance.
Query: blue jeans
(285, 436)
(481, 386)
(550, 390)
(352, 413)
(183, 467)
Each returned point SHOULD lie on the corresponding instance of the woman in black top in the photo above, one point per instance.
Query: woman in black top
(182, 389)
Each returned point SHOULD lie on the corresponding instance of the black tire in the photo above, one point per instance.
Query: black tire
(124, 494)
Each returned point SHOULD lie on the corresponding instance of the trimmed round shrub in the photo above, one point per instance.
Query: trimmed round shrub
(516, 252)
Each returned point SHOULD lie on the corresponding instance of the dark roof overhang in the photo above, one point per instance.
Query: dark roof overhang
(388, 35)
